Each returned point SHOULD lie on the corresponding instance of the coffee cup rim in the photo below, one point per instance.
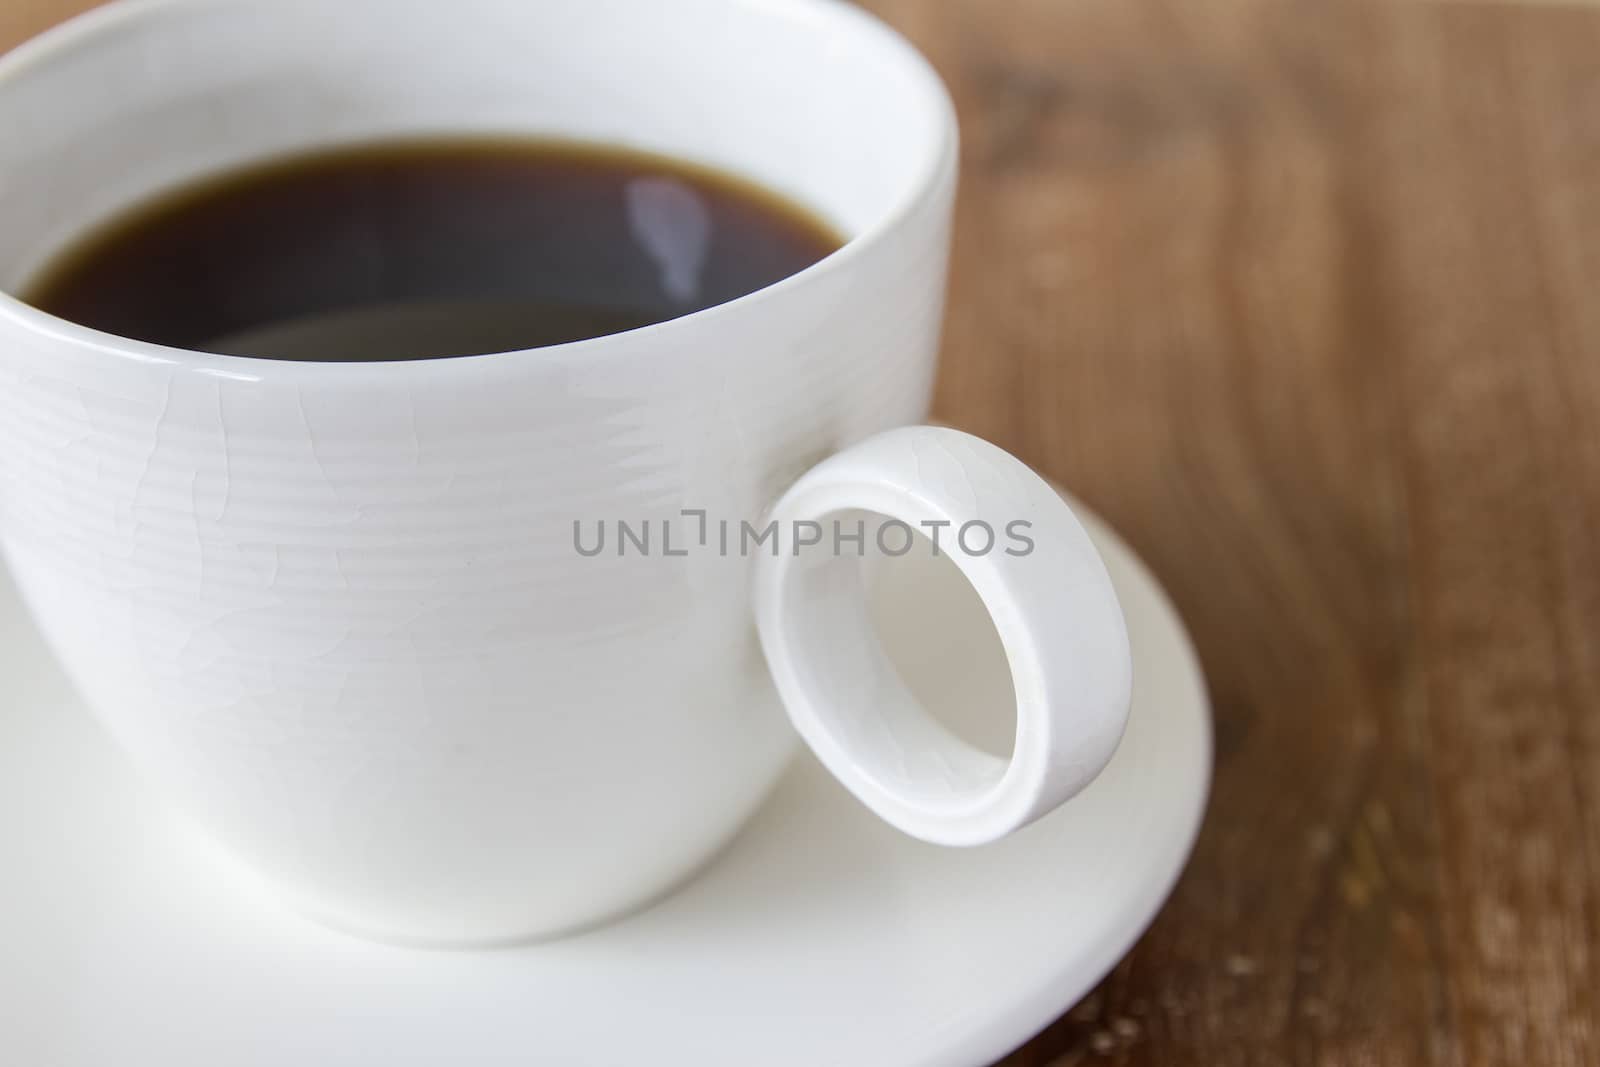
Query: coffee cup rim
(942, 161)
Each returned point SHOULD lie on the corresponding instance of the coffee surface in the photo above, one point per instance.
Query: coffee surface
(426, 249)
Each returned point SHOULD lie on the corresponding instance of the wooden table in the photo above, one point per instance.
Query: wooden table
(1305, 298)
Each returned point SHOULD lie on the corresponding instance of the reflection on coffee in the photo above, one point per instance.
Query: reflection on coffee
(423, 249)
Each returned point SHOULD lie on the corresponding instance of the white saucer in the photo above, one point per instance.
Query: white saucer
(819, 937)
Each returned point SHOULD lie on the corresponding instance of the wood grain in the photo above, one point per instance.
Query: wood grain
(1306, 299)
(1299, 296)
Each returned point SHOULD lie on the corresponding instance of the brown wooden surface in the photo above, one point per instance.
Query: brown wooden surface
(1305, 298)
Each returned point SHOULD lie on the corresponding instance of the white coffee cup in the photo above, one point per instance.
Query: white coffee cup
(337, 611)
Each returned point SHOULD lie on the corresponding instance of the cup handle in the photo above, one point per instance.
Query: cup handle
(1052, 603)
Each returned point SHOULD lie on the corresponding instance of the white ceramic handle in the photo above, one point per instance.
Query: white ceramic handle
(1053, 605)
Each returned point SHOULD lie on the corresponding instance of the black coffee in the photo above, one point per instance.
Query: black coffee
(422, 249)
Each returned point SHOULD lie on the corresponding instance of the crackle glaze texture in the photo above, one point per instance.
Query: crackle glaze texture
(336, 610)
